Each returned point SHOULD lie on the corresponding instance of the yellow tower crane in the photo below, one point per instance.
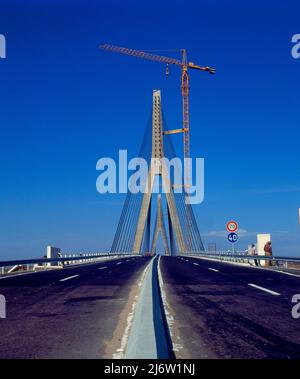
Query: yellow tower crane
(185, 65)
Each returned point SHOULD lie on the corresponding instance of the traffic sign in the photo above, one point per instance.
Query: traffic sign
(232, 237)
(232, 226)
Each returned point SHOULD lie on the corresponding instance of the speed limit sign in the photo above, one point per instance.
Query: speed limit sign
(232, 226)
(232, 237)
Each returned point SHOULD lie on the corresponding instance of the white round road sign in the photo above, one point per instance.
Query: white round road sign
(232, 226)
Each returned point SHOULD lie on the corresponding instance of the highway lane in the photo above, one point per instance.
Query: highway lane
(223, 310)
(70, 313)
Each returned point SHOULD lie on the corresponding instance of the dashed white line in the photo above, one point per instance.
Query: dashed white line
(119, 263)
(287, 273)
(14, 275)
(196, 264)
(102, 268)
(264, 289)
(213, 269)
(68, 278)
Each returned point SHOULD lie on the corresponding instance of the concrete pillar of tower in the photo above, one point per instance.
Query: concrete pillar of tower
(158, 167)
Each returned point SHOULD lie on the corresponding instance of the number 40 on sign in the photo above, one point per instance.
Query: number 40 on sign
(232, 237)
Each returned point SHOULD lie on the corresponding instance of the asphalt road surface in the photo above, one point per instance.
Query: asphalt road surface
(69, 313)
(223, 310)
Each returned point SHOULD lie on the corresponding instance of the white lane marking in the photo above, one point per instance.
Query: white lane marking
(127, 260)
(14, 275)
(119, 263)
(21, 274)
(252, 267)
(102, 268)
(213, 269)
(187, 260)
(68, 278)
(196, 264)
(287, 273)
(264, 289)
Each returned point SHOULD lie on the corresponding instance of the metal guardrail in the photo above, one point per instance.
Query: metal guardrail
(242, 256)
(65, 259)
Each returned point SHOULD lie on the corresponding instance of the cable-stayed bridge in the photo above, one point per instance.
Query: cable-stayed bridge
(134, 229)
(133, 303)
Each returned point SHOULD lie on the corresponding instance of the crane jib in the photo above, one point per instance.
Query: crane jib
(141, 54)
(185, 66)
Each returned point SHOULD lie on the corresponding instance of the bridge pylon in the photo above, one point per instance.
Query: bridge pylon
(158, 167)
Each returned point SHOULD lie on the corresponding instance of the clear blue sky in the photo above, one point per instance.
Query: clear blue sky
(64, 104)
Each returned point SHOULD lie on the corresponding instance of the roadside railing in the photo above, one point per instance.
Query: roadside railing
(26, 265)
(243, 257)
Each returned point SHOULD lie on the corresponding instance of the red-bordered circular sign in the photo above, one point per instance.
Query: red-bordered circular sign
(232, 226)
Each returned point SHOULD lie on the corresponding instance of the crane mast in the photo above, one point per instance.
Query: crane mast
(185, 110)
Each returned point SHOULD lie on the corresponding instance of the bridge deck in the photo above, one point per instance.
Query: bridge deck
(70, 313)
(222, 310)
(217, 310)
